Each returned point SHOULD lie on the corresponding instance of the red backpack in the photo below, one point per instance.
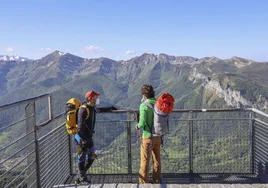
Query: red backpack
(165, 103)
(162, 108)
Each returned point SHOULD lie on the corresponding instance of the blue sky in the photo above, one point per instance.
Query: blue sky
(123, 29)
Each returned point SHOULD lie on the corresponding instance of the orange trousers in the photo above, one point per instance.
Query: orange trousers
(145, 154)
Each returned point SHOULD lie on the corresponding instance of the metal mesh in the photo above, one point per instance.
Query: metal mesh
(135, 149)
(222, 143)
(222, 146)
(110, 141)
(261, 146)
(175, 149)
(174, 159)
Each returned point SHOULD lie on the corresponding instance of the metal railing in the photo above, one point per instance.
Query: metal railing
(19, 141)
(211, 141)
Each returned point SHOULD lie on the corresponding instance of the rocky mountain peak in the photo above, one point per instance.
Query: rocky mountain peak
(146, 58)
(12, 58)
(241, 62)
(210, 59)
(55, 54)
(176, 59)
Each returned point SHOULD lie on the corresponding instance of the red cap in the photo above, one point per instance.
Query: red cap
(91, 94)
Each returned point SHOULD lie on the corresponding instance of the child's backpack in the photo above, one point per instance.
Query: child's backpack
(72, 107)
(162, 108)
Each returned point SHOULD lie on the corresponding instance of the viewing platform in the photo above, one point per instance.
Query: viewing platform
(205, 148)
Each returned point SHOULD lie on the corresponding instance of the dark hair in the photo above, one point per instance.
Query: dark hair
(148, 91)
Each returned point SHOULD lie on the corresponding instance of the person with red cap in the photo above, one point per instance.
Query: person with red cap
(86, 128)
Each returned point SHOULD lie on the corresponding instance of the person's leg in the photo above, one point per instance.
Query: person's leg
(81, 167)
(90, 149)
(145, 160)
(81, 160)
(156, 160)
(90, 161)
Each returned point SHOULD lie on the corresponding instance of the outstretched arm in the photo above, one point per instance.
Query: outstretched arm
(105, 109)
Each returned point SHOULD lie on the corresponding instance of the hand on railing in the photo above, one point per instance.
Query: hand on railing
(139, 133)
(136, 116)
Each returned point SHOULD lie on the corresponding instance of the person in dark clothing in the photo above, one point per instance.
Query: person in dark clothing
(84, 137)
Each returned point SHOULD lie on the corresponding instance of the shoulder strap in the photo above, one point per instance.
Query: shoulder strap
(146, 102)
(152, 107)
(85, 107)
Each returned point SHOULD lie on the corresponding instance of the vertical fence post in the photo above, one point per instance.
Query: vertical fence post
(49, 107)
(129, 147)
(30, 126)
(252, 124)
(37, 159)
(70, 154)
(191, 117)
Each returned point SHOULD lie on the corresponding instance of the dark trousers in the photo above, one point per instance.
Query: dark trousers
(84, 154)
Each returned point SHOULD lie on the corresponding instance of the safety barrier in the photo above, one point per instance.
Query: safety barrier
(211, 141)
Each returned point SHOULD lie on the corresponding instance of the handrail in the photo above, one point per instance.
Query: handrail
(25, 101)
(258, 112)
(191, 110)
(175, 110)
(135, 110)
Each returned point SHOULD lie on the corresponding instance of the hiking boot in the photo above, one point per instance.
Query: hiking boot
(81, 179)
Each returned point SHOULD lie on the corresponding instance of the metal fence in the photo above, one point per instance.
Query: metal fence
(213, 141)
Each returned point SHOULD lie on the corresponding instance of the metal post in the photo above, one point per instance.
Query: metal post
(30, 126)
(70, 154)
(37, 159)
(50, 107)
(252, 124)
(129, 147)
(191, 122)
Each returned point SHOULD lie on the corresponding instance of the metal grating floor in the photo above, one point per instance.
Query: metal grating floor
(176, 179)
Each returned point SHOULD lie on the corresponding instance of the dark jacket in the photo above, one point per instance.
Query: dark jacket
(86, 127)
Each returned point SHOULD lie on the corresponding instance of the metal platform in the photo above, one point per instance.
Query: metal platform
(176, 179)
(207, 148)
(126, 185)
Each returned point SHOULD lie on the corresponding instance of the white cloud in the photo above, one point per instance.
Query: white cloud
(91, 49)
(46, 49)
(130, 52)
(10, 49)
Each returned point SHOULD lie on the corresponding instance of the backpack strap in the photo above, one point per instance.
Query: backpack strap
(147, 103)
(152, 107)
(85, 107)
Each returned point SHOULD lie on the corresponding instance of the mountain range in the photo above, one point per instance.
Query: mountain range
(195, 83)
(12, 58)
